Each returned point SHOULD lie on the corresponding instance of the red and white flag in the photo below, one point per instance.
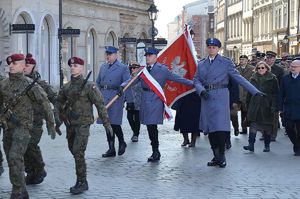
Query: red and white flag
(180, 58)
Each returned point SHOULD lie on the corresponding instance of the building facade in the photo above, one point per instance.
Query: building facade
(101, 23)
(220, 21)
(247, 27)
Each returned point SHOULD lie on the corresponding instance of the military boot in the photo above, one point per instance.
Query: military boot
(155, 156)
(222, 159)
(39, 178)
(267, 141)
(79, 187)
(251, 141)
(111, 152)
(215, 160)
(29, 178)
(1, 168)
(122, 148)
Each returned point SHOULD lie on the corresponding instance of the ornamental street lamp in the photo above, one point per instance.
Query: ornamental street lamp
(152, 13)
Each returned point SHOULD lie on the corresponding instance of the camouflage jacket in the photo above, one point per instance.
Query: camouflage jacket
(23, 110)
(38, 110)
(76, 103)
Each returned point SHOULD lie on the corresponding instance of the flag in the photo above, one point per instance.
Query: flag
(180, 58)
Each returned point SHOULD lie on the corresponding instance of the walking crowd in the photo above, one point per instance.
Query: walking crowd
(260, 89)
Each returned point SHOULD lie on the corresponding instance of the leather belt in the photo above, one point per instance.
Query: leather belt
(215, 86)
(148, 89)
(109, 87)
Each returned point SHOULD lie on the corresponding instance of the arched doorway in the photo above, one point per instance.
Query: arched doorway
(91, 53)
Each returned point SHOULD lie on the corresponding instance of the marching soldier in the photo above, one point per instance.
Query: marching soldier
(33, 160)
(112, 78)
(152, 107)
(17, 96)
(246, 70)
(211, 82)
(75, 106)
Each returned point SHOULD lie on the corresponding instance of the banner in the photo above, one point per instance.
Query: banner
(180, 58)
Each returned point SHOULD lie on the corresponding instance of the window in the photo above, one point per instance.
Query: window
(22, 43)
(67, 53)
(110, 40)
(45, 50)
(91, 52)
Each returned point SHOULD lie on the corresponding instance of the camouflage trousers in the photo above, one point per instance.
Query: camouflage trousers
(77, 136)
(15, 143)
(33, 158)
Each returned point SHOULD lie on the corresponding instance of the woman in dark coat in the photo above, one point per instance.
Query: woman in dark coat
(261, 109)
(187, 117)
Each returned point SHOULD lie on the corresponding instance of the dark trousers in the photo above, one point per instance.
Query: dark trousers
(153, 135)
(217, 140)
(275, 126)
(293, 130)
(243, 119)
(133, 117)
(234, 119)
(77, 136)
(118, 132)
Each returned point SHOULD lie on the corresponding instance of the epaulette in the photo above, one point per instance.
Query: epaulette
(227, 58)
(202, 59)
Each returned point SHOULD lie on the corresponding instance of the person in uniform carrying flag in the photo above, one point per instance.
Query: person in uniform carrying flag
(211, 82)
(152, 107)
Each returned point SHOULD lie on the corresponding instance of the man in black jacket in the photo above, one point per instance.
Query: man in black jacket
(289, 104)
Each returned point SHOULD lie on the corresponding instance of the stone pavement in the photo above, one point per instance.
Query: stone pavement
(181, 173)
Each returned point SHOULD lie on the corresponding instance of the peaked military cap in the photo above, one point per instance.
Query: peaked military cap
(29, 59)
(75, 60)
(213, 42)
(243, 56)
(151, 51)
(260, 54)
(14, 57)
(111, 49)
(271, 53)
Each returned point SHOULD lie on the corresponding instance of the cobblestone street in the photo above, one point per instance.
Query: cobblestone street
(181, 173)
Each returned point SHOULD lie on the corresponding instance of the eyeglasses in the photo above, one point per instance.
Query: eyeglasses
(258, 68)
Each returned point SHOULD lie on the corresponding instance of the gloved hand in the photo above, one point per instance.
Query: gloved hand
(260, 94)
(130, 106)
(120, 91)
(204, 94)
(51, 130)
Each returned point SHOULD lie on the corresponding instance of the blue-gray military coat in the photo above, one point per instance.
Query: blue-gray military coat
(152, 107)
(215, 111)
(112, 77)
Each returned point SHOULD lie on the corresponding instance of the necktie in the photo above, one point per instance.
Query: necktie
(149, 68)
(211, 61)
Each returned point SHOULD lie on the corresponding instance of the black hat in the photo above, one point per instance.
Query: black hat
(271, 53)
(260, 54)
(244, 56)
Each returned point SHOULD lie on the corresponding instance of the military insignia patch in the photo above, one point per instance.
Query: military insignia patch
(72, 61)
(9, 59)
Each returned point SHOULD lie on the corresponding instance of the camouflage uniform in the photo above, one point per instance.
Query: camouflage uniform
(1, 156)
(16, 134)
(76, 104)
(34, 164)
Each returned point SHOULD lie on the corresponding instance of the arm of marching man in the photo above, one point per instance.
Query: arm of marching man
(40, 97)
(97, 99)
(197, 83)
(234, 74)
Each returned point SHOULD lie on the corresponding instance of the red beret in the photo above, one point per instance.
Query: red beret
(29, 59)
(75, 60)
(14, 57)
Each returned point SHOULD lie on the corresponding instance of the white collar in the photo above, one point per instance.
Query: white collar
(295, 75)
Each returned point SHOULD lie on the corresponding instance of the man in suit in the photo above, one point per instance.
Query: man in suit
(152, 107)
(211, 82)
(246, 70)
(289, 104)
(113, 77)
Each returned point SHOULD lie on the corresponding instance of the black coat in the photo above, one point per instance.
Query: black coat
(289, 97)
(188, 113)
